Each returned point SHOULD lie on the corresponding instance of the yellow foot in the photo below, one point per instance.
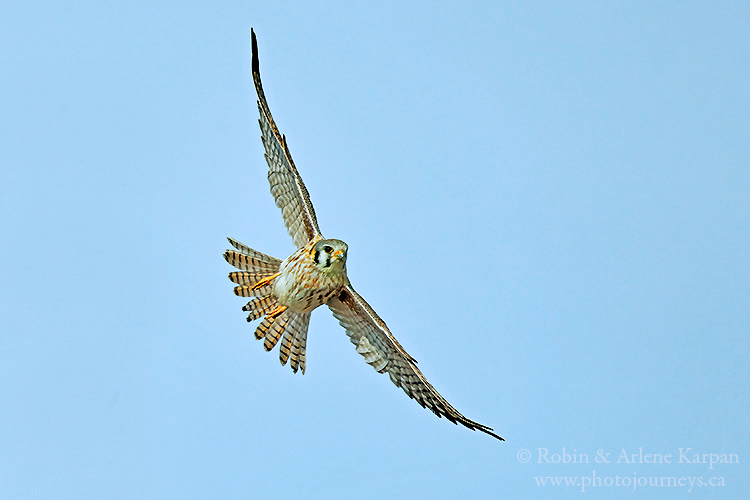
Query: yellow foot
(265, 281)
(276, 311)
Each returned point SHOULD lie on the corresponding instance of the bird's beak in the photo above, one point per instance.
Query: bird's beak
(338, 254)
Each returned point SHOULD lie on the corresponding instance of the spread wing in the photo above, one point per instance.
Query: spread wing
(381, 350)
(287, 188)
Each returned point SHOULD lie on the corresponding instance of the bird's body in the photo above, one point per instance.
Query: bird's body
(284, 293)
(305, 281)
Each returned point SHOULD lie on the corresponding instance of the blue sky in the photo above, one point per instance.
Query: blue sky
(548, 203)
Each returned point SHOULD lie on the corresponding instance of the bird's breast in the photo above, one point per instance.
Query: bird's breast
(301, 286)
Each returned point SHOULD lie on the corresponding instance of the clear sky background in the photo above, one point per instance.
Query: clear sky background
(547, 202)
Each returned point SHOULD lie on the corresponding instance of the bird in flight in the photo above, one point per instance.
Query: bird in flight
(284, 293)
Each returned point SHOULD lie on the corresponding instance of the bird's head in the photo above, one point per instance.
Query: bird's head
(330, 256)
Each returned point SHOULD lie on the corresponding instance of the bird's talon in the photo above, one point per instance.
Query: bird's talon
(276, 311)
(265, 281)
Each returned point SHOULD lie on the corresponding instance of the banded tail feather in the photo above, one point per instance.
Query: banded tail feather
(285, 349)
(247, 278)
(249, 262)
(255, 266)
(275, 330)
(248, 291)
(259, 307)
(244, 249)
(264, 327)
(299, 324)
(247, 259)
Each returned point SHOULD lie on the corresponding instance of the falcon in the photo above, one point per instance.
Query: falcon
(284, 293)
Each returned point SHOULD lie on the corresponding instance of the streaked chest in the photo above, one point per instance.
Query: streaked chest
(301, 286)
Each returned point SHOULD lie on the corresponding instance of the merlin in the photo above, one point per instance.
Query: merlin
(284, 293)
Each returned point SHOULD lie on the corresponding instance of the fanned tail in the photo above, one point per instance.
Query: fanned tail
(292, 326)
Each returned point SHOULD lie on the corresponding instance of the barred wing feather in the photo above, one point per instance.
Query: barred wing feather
(383, 352)
(287, 188)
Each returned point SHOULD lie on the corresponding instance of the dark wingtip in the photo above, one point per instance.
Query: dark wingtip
(488, 430)
(256, 64)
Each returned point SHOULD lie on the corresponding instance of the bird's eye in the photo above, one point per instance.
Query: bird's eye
(327, 249)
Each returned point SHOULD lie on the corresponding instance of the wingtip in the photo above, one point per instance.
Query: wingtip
(499, 438)
(475, 426)
(488, 430)
(256, 64)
